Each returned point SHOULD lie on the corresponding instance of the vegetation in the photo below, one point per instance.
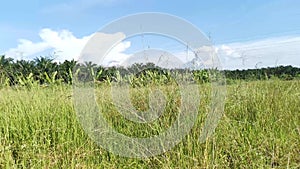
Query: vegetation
(39, 127)
(44, 71)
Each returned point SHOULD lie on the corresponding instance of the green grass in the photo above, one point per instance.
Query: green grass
(260, 129)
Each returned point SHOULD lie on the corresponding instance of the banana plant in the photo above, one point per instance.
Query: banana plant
(27, 81)
(52, 80)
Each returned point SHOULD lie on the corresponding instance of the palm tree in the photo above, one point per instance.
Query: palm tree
(6, 70)
(44, 67)
(66, 69)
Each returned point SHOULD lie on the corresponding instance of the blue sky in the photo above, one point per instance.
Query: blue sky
(245, 32)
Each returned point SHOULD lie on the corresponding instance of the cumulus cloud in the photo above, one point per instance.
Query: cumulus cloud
(26, 48)
(243, 55)
(101, 49)
(64, 44)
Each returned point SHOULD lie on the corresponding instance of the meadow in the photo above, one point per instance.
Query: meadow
(260, 128)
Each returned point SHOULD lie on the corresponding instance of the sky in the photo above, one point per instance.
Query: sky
(245, 34)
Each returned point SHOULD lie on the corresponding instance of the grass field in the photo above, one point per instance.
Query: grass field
(260, 129)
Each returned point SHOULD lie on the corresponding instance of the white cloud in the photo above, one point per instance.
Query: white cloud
(26, 48)
(64, 44)
(226, 50)
(261, 53)
(243, 55)
(116, 56)
(102, 49)
(267, 52)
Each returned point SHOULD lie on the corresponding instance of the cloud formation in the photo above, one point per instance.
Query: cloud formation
(261, 53)
(64, 44)
(252, 54)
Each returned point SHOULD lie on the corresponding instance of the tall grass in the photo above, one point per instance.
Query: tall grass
(260, 129)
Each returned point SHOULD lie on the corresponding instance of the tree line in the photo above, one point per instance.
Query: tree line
(44, 71)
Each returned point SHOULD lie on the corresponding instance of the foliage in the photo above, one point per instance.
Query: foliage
(39, 127)
(46, 72)
(260, 129)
